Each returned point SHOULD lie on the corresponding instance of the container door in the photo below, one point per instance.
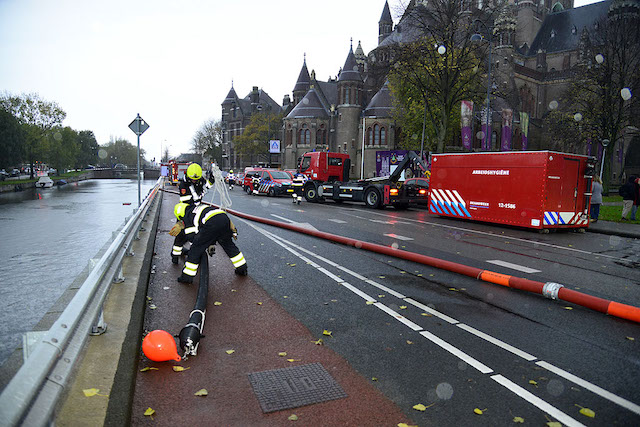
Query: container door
(570, 180)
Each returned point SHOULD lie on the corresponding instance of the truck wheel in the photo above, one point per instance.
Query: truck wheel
(372, 198)
(311, 193)
(272, 192)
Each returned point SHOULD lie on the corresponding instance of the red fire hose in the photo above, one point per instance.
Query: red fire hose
(549, 289)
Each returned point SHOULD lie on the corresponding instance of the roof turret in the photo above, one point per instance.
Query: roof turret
(350, 71)
(303, 79)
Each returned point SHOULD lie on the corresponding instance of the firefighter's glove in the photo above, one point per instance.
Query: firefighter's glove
(177, 228)
(211, 250)
(234, 230)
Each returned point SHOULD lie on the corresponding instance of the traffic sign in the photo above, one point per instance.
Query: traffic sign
(274, 146)
(138, 126)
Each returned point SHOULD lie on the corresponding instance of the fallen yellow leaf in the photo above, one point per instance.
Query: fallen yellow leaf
(568, 308)
(427, 314)
(152, 306)
(179, 368)
(259, 303)
(217, 303)
(292, 265)
(148, 369)
(319, 342)
(293, 417)
(370, 302)
(518, 420)
(282, 353)
(554, 424)
(202, 392)
(403, 307)
(381, 277)
(149, 298)
(230, 351)
(587, 412)
(406, 425)
(327, 333)
(381, 296)
(631, 338)
(149, 412)
(293, 360)
(374, 378)
(89, 392)
(479, 411)
(409, 342)
(532, 382)
(421, 407)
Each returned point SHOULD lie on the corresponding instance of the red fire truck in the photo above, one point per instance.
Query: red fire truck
(328, 175)
(541, 190)
(176, 171)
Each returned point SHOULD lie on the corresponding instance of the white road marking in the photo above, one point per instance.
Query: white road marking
(536, 401)
(396, 236)
(521, 268)
(457, 352)
(380, 221)
(283, 218)
(497, 342)
(454, 350)
(337, 221)
(591, 387)
(484, 233)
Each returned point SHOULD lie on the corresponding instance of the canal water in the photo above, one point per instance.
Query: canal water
(48, 237)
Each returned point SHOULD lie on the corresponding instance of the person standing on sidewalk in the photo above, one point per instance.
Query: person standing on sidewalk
(636, 199)
(596, 198)
(627, 193)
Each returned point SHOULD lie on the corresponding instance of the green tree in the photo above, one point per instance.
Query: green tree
(254, 140)
(88, 149)
(120, 150)
(432, 75)
(593, 105)
(61, 149)
(208, 140)
(38, 118)
(11, 140)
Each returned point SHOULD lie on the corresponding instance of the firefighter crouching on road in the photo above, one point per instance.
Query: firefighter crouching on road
(209, 226)
(298, 186)
(191, 187)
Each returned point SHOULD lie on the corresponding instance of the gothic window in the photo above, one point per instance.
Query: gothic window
(557, 7)
(321, 136)
(233, 108)
(288, 138)
(369, 136)
(383, 136)
(347, 95)
(376, 135)
(304, 135)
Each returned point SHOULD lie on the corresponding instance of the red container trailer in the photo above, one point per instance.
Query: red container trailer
(533, 189)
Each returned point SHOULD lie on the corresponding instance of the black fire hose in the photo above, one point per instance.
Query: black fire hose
(191, 334)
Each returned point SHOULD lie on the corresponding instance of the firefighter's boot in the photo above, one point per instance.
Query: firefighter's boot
(185, 278)
(242, 270)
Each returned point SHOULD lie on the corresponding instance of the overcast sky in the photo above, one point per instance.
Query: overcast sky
(172, 62)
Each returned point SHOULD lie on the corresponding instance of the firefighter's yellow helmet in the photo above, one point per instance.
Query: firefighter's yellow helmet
(231, 171)
(194, 171)
(180, 210)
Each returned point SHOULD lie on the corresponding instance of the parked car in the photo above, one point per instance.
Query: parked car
(275, 183)
(3, 175)
(15, 172)
(418, 188)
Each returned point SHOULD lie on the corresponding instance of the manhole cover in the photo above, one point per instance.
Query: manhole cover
(287, 388)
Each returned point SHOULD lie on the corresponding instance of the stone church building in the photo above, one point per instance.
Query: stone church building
(535, 45)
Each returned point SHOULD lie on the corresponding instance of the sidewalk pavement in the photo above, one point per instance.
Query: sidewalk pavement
(615, 229)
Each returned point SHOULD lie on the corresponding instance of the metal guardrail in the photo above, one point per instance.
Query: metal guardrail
(33, 393)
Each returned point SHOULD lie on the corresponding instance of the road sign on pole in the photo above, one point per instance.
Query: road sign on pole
(138, 126)
(274, 146)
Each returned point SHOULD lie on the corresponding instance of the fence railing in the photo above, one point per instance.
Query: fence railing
(31, 396)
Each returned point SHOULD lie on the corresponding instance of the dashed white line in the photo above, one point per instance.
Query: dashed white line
(512, 266)
(541, 404)
(591, 387)
(536, 401)
(396, 236)
(337, 221)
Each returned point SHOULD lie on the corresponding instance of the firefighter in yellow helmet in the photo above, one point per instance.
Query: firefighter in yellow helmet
(191, 187)
(208, 226)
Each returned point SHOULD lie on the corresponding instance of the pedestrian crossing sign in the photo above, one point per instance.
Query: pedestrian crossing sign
(274, 146)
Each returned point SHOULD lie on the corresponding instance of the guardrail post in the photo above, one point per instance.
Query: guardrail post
(100, 326)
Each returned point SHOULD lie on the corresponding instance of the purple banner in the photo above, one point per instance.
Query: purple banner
(486, 145)
(386, 161)
(507, 121)
(466, 115)
(524, 126)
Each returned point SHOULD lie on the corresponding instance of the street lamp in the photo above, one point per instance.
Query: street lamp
(604, 143)
(477, 38)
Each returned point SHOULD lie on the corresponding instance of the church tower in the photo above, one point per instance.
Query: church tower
(350, 100)
(385, 25)
(303, 84)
